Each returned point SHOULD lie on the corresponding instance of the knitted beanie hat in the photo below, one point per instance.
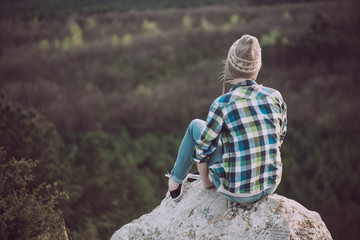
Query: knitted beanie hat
(244, 59)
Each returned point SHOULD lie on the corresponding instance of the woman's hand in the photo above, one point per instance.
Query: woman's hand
(205, 175)
(207, 182)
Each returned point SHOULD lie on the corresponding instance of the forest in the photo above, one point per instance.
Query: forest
(95, 97)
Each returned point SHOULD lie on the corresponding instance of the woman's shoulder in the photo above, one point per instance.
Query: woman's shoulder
(223, 99)
(272, 92)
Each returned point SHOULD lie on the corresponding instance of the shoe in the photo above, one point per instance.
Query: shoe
(178, 193)
(193, 176)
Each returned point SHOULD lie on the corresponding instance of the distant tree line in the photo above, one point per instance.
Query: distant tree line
(24, 9)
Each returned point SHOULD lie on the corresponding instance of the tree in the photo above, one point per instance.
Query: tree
(26, 134)
(24, 214)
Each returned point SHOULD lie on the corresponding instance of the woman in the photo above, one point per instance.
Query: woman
(237, 149)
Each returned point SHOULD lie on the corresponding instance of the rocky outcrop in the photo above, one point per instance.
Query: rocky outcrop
(206, 214)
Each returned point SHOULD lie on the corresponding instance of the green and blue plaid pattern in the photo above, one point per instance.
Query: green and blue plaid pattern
(250, 121)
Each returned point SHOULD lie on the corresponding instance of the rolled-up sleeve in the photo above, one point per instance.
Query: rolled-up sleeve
(208, 141)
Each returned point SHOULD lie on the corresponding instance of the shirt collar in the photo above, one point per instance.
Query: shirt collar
(243, 83)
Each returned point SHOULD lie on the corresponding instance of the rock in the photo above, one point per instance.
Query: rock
(205, 214)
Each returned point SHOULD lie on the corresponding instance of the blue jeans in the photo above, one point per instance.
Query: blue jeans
(184, 161)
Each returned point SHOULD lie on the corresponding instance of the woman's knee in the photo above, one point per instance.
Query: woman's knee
(195, 128)
(197, 122)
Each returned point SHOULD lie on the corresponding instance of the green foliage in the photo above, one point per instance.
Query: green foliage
(187, 22)
(76, 35)
(150, 27)
(44, 44)
(24, 213)
(114, 179)
(90, 23)
(269, 40)
(206, 25)
(75, 39)
(114, 39)
(322, 177)
(127, 39)
(26, 134)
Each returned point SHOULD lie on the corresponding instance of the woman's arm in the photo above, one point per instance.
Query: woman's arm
(207, 143)
(209, 138)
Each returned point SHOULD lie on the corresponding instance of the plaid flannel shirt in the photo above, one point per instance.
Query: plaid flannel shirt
(250, 120)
